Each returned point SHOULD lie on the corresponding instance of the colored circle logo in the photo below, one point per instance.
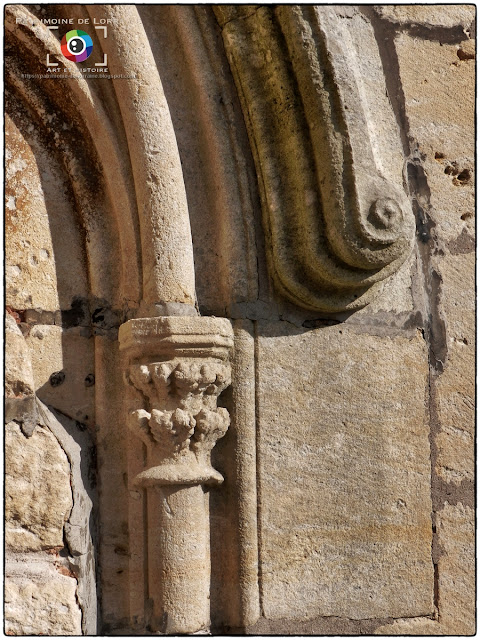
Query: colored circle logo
(76, 45)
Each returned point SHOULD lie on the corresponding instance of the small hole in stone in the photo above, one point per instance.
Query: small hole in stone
(98, 315)
(90, 380)
(451, 171)
(464, 176)
(466, 216)
(57, 378)
(439, 156)
(465, 55)
(121, 551)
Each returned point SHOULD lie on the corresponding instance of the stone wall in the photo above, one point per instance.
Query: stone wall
(436, 51)
(49, 553)
(248, 136)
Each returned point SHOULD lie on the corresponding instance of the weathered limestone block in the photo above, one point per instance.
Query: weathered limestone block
(456, 302)
(396, 296)
(45, 269)
(344, 474)
(80, 528)
(64, 369)
(455, 525)
(440, 119)
(19, 381)
(441, 123)
(42, 604)
(18, 368)
(456, 568)
(38, 496)
(446, 16)
(455, 386)
(455, 396)
(39, 509)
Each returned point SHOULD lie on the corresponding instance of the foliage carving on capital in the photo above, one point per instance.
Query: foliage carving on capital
(183, 422)
(179, 420)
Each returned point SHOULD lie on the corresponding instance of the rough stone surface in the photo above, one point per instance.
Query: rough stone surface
(38, 497)
(18, 368)
(345, 522)
(64, 370)
(42, 605)
(456, 403)
(396, 297)
(45, 269)
(80, 530)
(456, 583)
(456, 539)
(446, 16)
(440, 117)
(19, 381)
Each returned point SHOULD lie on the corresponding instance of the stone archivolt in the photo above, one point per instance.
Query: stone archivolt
(138, 203)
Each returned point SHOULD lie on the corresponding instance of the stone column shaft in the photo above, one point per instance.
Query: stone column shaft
(182, 546)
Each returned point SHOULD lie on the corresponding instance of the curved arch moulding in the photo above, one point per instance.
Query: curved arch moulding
(91, 154)
(329, 162)
(167, 252)
(123, 166)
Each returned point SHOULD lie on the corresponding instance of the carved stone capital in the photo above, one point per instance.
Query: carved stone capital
(179, 366)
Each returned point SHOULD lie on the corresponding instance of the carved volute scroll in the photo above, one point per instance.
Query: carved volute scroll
(177, 367)
(336, 223)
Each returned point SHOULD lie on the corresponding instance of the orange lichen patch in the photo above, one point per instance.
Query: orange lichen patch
(54, 551)
(17, 314)
(65, 571)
